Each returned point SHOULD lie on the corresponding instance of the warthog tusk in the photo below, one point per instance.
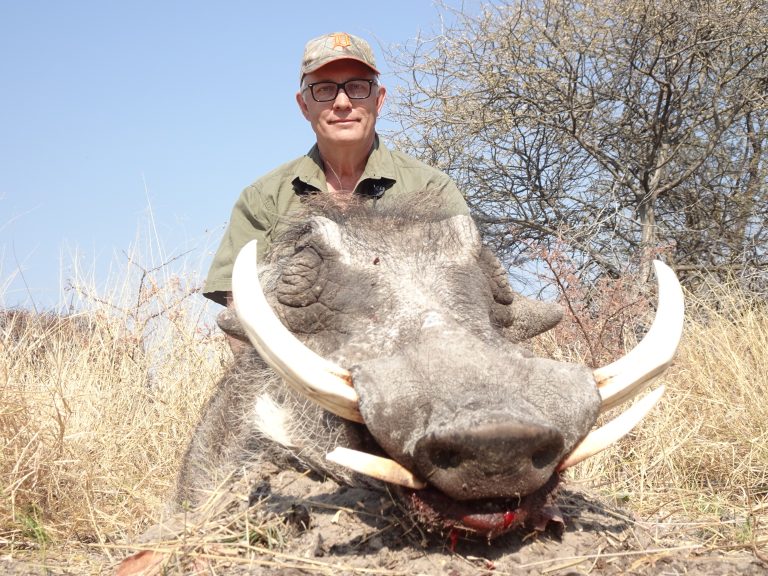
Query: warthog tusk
(320, 380)
(598, 440)
(375, 467)
(630, 374)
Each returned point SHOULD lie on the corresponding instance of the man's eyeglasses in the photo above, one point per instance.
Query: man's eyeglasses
(354, 89)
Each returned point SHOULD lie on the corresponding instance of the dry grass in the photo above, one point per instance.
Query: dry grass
(95, 408)
(701, 458)
(95, 413)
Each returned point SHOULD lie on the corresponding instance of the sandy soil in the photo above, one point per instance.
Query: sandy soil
(319, 527)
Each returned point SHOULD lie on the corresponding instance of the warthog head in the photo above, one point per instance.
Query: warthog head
(407, 325)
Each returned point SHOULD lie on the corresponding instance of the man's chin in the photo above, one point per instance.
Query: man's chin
(346, 131)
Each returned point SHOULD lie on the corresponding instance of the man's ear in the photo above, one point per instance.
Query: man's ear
(302, 104)
(380, 97)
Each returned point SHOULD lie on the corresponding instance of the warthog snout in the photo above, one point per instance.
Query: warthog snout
(491, 460)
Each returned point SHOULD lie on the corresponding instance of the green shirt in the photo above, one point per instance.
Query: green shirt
(262, 209)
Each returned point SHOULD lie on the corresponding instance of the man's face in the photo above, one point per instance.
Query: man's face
(342, 121)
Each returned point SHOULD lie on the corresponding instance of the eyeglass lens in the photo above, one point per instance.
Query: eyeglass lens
(354, 89)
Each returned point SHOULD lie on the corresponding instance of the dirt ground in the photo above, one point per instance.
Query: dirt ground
(306, 525)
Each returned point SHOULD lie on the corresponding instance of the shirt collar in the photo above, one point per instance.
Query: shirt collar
(378, 176)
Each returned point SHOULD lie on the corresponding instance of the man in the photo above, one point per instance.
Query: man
(340, 96)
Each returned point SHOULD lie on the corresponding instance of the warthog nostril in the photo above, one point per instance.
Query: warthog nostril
(447, 458)
(492, 460)
(544, 458)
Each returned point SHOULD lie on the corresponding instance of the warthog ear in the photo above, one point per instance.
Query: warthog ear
(228, 322)
(522, 317)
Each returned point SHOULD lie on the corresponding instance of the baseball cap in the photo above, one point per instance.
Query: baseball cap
(336, 46)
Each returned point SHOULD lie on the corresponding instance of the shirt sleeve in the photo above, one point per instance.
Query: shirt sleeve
(454, 201)
(249, 221)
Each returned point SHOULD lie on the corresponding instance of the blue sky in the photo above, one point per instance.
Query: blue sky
(114, 110)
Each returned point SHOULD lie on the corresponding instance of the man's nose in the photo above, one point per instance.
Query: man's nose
(342, 100)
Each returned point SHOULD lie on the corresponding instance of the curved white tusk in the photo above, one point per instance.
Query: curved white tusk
(375, 467)
(318, 379)
(631, 373)
(598, 440)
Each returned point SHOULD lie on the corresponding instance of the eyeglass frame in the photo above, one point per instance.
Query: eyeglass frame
(341, 86)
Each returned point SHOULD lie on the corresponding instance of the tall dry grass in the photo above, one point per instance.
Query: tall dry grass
(700, 460)
(96, 405)
(96, 409)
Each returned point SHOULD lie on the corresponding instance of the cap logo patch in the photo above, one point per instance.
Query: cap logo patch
(341, 41)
